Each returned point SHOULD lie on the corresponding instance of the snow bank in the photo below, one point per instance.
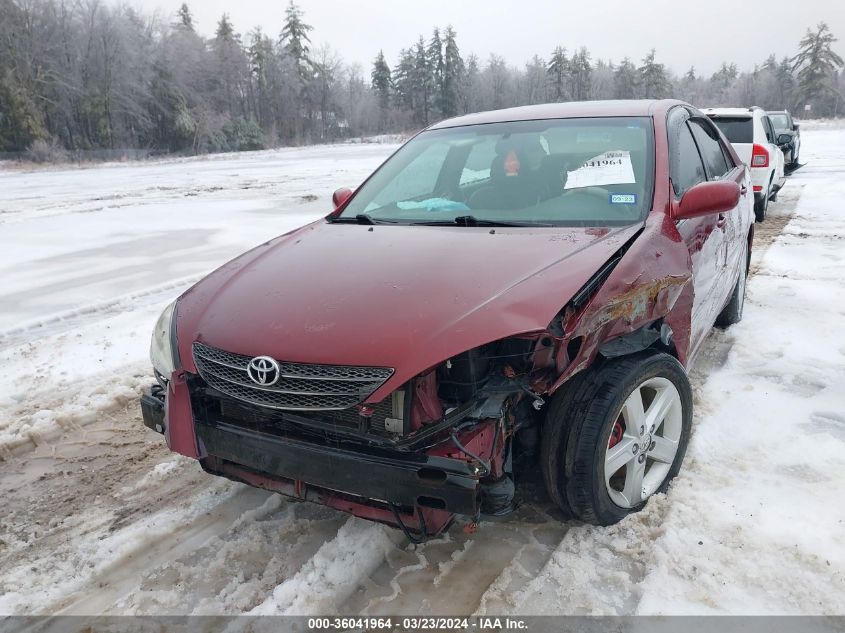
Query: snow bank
(821, 124)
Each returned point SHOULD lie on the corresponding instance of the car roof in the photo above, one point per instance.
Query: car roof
(571, 109)
(733, 112)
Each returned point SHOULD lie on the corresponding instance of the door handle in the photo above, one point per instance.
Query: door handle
(720, 222)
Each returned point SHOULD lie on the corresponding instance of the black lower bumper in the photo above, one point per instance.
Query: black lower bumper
(152, 409)
(408, 480)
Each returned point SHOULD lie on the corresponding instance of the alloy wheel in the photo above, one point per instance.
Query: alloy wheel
(643, 442)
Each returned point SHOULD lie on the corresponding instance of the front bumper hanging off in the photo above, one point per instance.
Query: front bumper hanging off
(289, 465)
(152, 409)
(409, 481)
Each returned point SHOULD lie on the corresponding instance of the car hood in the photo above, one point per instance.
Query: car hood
(406, 297)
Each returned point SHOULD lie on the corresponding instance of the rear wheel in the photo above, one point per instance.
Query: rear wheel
(617, 435)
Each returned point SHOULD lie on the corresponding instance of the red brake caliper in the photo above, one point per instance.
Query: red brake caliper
(616, 434)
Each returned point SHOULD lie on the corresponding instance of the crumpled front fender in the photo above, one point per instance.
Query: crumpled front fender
(652, 281)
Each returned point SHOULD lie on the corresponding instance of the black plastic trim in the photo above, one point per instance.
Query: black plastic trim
(152, 409)
(400, 479)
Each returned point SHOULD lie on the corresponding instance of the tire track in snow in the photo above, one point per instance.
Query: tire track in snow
(151, 548)
(332, 573)
(235, 571)
(73, 319)
(452, 574)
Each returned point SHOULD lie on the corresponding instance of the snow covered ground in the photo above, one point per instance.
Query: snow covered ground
(99, 518)
(90, 256)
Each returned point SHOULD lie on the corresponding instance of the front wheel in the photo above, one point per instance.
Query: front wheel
(617, 435)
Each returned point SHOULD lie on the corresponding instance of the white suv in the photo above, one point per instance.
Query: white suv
(753, 136)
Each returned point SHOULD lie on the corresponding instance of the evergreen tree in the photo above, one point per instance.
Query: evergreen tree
(184, 18)
(653, 75)
(785, 83)
(815, 64)
(19, 123)
(434, 55)
(725, 76)
(453, 75)
(625, 80)
(403, 78)
(381, 85)
(422, 82)
(559, 75)
(771, 64)
(230, 66)
(687, 87)
(294, 38)
(225, 31)
(260, 55)
(581, 75)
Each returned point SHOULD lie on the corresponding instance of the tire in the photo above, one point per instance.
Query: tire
(577, 434)
(732, 313)
(761, 206)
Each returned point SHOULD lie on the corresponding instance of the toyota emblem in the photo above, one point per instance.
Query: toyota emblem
(263, 371)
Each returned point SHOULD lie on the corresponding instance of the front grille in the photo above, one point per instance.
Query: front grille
(301, 387)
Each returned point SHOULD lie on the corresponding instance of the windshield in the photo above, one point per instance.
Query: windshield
(736, 129)
(780, 121)
(559, 172)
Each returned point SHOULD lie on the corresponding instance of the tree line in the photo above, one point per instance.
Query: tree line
(84, 75)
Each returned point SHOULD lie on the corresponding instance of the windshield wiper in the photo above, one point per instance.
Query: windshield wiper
(471, 220)
(362, 218)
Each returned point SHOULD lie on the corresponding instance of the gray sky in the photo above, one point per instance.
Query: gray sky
(742, 31)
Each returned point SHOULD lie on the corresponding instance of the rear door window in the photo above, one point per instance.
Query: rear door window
(770, 132)
(736, 129)
(477, 166)
(710, 150)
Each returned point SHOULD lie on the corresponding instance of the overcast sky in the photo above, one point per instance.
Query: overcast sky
(685, 34)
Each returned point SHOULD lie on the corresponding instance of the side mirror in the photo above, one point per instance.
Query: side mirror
(784, 139)
(707, 198)
(340, 196)
(795, 126)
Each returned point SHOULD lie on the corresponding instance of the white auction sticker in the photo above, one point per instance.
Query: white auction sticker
(610, 168)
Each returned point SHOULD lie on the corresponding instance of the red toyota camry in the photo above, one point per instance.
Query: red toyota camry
(511, 290)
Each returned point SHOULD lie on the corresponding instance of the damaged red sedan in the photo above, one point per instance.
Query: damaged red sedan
(511, 291)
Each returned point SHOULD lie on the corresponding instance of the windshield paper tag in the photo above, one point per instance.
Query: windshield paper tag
(610, 168)
(623, 198)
